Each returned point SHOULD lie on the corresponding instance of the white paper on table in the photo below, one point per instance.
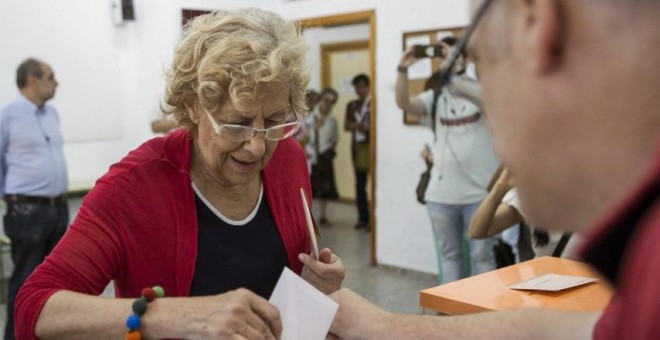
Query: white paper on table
(552, 282)
(422, 68)
(306, 312)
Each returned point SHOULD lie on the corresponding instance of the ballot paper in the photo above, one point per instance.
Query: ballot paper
(552, 282)
(306, 312)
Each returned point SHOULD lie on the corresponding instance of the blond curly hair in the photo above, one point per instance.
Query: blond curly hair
(226, 55)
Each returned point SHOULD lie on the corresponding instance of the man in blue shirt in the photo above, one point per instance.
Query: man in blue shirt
(33, 178)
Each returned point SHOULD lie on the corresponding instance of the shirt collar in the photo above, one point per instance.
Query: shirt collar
(33, 107)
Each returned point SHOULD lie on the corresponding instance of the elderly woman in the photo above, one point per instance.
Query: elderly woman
(211, 212)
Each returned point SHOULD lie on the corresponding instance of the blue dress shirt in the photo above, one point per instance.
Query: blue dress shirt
(31, 150)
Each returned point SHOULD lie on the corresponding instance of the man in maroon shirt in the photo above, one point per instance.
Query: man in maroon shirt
(572, 92)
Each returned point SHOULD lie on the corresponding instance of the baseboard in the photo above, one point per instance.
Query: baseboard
(80, 188)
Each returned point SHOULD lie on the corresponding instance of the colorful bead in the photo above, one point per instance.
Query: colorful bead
(160, 292)
(134, 335)
(149, 293)
(140, 306)
(133, 322)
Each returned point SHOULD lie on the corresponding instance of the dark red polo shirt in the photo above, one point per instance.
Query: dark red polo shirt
(625, 248)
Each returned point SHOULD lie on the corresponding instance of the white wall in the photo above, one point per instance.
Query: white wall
(111, 76)
(329, 35)
(85, 57)
(111, 82)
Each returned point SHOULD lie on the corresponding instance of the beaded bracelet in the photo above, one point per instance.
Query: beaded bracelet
(139, 308)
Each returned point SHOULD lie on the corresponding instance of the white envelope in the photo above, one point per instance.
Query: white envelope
(552, 282)
(306, 312)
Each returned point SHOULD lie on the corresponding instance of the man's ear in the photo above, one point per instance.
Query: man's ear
(543, 33)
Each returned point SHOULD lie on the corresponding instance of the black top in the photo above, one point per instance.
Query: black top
(229, 256)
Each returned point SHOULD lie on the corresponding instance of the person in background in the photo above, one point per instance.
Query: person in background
(463, 163)
(311, 99)
(211, 212)
(357, 122)
(323, 136)
(576, 118)
(33, 175)
(502, 210)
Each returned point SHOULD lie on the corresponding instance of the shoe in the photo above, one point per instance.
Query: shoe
(324, 222)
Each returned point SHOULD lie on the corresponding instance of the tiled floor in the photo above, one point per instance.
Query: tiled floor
(390, 288)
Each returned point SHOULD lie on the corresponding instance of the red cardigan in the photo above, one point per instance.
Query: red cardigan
(138, 226)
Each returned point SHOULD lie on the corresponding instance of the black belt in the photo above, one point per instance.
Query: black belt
(41, 200)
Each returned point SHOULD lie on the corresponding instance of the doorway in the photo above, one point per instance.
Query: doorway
(340, 63)
(369, 18)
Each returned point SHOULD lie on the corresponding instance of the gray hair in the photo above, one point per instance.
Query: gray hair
(29, 67)
(226, 55)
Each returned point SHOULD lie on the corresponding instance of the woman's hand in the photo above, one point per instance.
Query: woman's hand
(505, 181)
(326, 273)
(238, 314)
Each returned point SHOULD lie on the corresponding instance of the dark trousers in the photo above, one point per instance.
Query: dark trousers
(361, 196)
(34, 229)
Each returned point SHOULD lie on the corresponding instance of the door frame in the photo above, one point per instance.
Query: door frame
(362, 17)
(326, 69)
(327, 49)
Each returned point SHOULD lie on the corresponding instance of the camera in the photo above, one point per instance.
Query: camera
(429, 51)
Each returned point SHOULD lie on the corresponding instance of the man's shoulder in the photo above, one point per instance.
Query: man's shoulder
(12, 107)
(427, 94)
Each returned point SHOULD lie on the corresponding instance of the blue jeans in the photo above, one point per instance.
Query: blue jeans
(34, 230)
(450, 225)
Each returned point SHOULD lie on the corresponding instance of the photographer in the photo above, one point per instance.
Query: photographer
(463, 163)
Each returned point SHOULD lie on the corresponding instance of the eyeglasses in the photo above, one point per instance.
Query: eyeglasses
(458, 49)
(240, 133)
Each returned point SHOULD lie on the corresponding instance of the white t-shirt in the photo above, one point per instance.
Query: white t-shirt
(511, 199)
(463, 156)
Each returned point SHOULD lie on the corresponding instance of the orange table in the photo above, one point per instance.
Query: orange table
(488, 291)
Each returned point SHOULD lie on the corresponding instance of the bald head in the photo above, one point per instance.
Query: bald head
(570, 89)
(29, 67)
(36, 81)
